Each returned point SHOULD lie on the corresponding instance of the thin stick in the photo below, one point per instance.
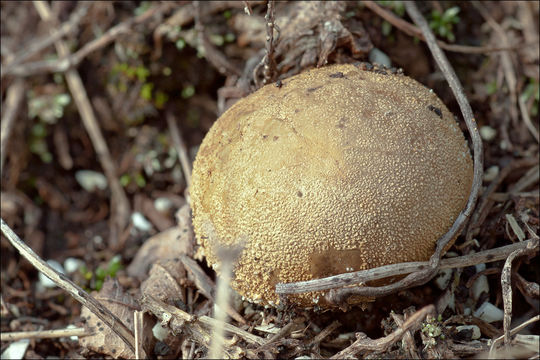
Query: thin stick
(67, 61)
(414, 31)
(337, 281)
(178, 318)
(365, 344)
(423, 276)
(44, 41)
(138, 327)
(44, 334)
(513, 332)
(10, 108)
(73, 289)
(221, 303)
(506, 283)
(120, 207)
(180, 147)
(269, 62)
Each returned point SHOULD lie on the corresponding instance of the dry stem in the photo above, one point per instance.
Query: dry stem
(180, 147)
(365, 344)
(73, 289)
(412, 30)
(15, 95)
(120, 208)
(44, 334)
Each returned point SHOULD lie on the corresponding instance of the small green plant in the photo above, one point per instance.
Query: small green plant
(432, 329)
(123, 76)
(46, 109)
(96, 278)
(491, 87)
(443, 23)
(531, 91)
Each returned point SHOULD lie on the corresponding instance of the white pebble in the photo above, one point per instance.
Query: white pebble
(140, 222)
(488, 133)
(45, 281)
(91, 180)
(162, 204)
(377, 56)
(72, 264)
(443, 278)
(160, 332)
(16, 350)
(489, 312)
(491, 173)
(475, 330)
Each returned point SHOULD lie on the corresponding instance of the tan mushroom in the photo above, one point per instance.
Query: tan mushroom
(336, 170)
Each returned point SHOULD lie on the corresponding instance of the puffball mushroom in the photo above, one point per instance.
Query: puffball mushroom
(338, 169)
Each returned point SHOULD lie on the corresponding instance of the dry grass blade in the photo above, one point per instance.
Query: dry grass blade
(73, 289)
(180, 147)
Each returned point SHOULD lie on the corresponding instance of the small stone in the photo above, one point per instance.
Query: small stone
(91, 180)
(140, 222)
(44, 280)
(475, 330)
(489, 312)
(488, 133)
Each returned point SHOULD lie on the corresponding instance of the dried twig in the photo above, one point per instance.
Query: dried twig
(527, 288)
(10, 108)
(120, 208)
(206, 285)
(247, 8)
(228, 258)
(267, 62)
(44, 41)
(365, 344)
(179, 320)
(138, 327)
(513, 332)
(44, 334)
(506, 60)
(506, 283)
(337, 281)
(180, 147)
(413, 30)
(68, 61)
(486, 202)
(421, 277)
(73, 289)
(408, 338)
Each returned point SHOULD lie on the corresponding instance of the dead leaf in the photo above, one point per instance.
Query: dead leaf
(104, 340)
(165, 280)
(168, 244)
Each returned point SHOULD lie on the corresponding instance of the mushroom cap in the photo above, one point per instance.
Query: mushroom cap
(337, 170)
